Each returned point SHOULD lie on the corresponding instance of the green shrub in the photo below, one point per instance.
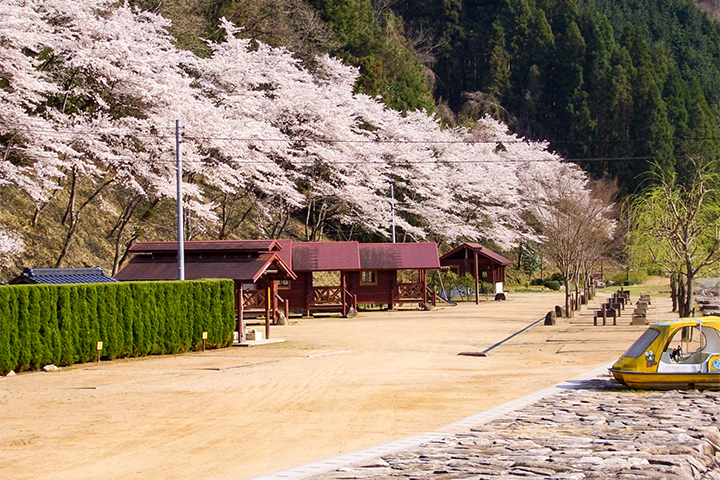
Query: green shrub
(61, 324)
(552, 284)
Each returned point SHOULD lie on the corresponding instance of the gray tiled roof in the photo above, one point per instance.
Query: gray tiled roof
(62, 275)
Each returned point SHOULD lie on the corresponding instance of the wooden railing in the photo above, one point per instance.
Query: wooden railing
(351, 299)
(285, 304)
(327, 296)
(253, 299)
(410, 292)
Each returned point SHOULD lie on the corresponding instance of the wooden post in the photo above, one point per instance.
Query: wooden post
(477, 280)
(275, 308)
(241, 319)
(343, 295)
(268, 300)
(309, 294)
(423, 281)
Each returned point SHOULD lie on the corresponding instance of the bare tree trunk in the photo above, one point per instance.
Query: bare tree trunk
(74, 217)
(567, 298)
(119, 229)
(674, 291)
(688, 309)
(681, 297)
(70, 210)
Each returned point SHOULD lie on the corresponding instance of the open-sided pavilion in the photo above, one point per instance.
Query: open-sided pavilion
(480, 262)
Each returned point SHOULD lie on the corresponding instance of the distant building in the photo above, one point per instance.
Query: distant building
(33, 276)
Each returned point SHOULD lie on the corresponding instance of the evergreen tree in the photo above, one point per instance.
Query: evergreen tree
(651, 129)
(498, 63)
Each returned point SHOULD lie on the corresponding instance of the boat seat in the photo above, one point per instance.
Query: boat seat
(696, 357)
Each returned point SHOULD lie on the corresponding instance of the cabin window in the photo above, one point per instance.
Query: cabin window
(368, 277)
(455, 269)
(284, 284)
(686, 346)
(642, 343)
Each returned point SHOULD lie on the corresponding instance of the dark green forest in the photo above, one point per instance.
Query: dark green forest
(616, 86)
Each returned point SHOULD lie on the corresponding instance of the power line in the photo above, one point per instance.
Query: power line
(294, 162)
(170, 135)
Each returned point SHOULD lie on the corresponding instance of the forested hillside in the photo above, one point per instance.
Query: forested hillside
(614, 85)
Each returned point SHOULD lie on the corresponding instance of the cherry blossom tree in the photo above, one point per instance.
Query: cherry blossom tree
(91, 91)
(575, 225)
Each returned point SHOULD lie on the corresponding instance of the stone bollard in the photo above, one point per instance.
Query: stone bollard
(558, 311)
(500, 296)
(550, 318)
(639, 318)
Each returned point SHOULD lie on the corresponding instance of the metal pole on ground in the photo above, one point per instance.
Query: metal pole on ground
(180, 226)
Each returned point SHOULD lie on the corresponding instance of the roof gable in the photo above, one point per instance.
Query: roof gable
(483, 252)
(247, 269)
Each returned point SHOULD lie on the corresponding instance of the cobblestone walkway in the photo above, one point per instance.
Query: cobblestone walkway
(595, 430)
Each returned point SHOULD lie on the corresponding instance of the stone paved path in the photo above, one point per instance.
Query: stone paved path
(597, 430)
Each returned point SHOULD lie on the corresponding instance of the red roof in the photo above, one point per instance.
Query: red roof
(208, 246)
(483, 252)
(212, 259)
(325, 256)
(398, 256)
(250, 269)
(286, 252)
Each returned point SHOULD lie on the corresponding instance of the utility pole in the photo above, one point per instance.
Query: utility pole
(392, 203)
(180, 217)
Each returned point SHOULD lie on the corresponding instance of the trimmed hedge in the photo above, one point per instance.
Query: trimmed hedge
(61, 324)
(552, 284)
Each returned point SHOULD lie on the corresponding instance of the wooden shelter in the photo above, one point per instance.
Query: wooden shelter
(255, 266)
(480, 262)
(394, 273)
(311, 258)
(270, 274)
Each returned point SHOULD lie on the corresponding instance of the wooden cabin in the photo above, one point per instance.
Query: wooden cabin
(363, 273)
(255, 266)
(336, 260)
(300, 276)
(480, 262)
(394, 273)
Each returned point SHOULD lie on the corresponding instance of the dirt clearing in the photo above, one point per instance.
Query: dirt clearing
(335, 386)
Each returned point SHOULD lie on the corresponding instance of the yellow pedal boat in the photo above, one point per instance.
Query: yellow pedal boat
(677, 354)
